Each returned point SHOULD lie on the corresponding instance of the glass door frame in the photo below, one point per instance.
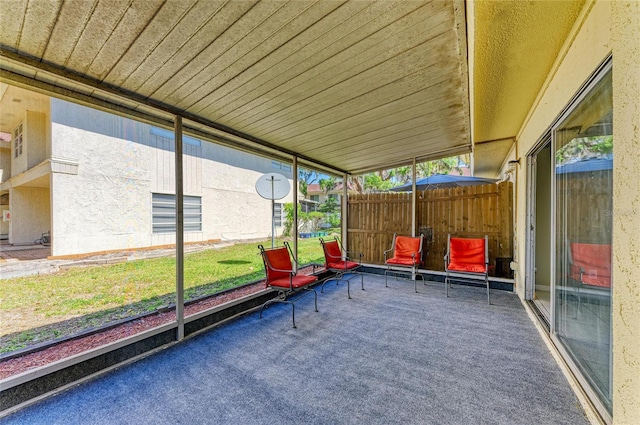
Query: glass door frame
(584, 91)
(530, 244)
(530, 272)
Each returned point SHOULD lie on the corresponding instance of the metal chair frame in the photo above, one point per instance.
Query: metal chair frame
(416, 259)
(340, 272)
(284, 293)
(466, 274)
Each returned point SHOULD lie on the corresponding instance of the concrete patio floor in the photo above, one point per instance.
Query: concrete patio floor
(386, 356)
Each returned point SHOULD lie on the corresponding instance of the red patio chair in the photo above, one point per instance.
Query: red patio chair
(282, 277)
(467, 257)
(590, 266)
(337, 261)
(406, 254)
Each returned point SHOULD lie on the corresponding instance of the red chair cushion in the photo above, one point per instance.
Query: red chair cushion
(594, 260)
(297, 281)
(405, 249)
(401, 261)
(278, 258)
(468, 268)
(342, 265)
(467, 255)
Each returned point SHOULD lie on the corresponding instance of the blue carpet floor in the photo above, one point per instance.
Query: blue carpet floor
(387, 356)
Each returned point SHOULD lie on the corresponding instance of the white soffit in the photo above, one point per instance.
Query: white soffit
(353, 85)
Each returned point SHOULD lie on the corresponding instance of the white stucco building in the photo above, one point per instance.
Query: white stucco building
(99, 182)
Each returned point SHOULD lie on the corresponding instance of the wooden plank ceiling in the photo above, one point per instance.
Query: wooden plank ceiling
(355, 85)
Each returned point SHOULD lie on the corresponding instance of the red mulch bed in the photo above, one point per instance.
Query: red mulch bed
(60, 351)
(70, 348)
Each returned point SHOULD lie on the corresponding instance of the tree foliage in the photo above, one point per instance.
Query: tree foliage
(305, 178)
(582, 148)
(328, 184)
(386, 179)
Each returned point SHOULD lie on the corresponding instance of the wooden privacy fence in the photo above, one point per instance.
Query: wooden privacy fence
(471, 211)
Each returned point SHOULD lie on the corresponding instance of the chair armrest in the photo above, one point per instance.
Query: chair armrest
(282, 270)
(335, 257)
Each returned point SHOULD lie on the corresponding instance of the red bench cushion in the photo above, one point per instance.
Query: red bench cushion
(342, 265)
(595, 262)
(406, 250)
(467, 255)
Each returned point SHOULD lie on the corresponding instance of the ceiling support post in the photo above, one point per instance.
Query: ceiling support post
(179, 228)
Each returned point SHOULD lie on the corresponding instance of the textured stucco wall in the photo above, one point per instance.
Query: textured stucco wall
(30, 212)
(229, 194)
(606, 27)
(588, 45)
(36, 142)
(107, 205)
(625, 28)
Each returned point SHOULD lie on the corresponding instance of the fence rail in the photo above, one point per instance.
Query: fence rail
(472, 211)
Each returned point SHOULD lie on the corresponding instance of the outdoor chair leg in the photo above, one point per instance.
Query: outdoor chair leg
(415, 281)
(488, 294)
(324, 283)
(315, 298)
(266, 304)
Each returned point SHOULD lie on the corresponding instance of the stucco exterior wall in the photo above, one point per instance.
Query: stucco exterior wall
(625, 36)
(30, 212)
(587, 46)
(228, 186)
(107, 205)
(36, 140)
(605, 27)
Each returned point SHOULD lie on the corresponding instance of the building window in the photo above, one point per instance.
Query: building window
(164, 213)
(315, 198)
(169, 134)
(278, 211)
(17, 141)
(279, 165)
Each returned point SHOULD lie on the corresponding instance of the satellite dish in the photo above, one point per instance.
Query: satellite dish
(273, 186)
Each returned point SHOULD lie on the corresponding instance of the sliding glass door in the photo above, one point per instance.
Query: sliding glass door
(583, 176)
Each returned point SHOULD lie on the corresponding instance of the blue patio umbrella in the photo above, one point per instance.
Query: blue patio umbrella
(440, 181)
(586, 166)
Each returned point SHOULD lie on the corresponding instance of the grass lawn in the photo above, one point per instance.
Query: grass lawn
(40, 308)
